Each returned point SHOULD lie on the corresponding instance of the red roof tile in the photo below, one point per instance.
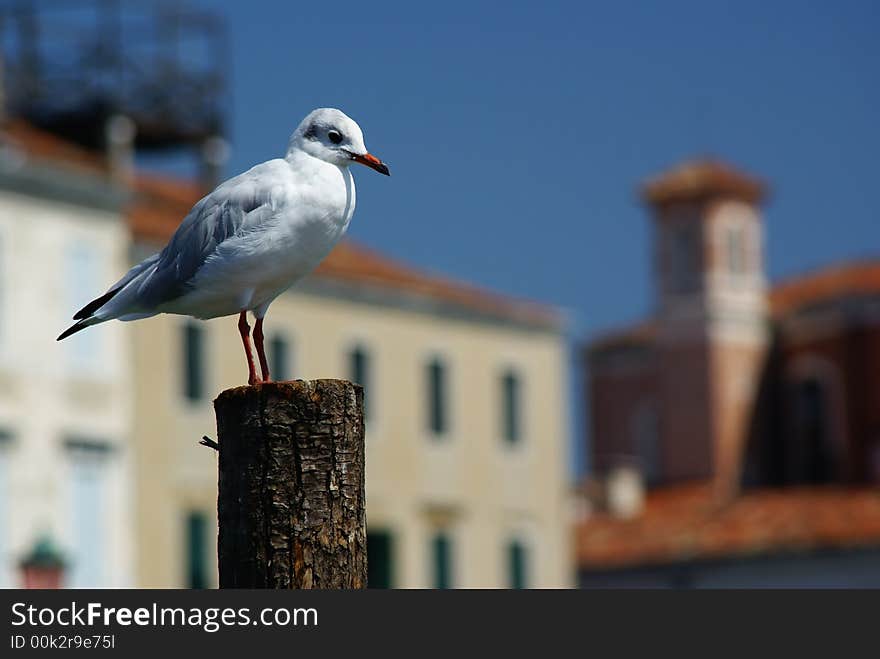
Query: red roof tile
(160, 203)
(631, 336)
(837, 281)
(699, 179)
(681, 523)
(830, 283)
(44, 146)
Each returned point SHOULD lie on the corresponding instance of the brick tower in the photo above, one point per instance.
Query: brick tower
(712, 319)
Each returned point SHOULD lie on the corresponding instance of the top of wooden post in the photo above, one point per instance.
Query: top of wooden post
(291, 485)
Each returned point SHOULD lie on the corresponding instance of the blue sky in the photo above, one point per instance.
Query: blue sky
(516, 133)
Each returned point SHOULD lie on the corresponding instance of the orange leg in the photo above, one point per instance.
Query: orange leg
(245, 330)
(261, 351)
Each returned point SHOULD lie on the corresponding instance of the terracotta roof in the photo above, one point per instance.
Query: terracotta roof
(632, 336)
(356, 263)
(44, 146)
(160, 203)
(837, 281)
(699, 179)
(680, 523)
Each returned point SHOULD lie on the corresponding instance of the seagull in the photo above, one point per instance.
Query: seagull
(250, 239)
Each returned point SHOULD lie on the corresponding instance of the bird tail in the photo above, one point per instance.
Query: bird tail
(96, 304)
(79, 325)
(85, 317)
(94, 312)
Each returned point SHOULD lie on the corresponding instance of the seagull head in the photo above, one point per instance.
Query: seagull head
(332, 136)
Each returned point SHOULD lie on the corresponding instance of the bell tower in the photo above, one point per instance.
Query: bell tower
(712, 318)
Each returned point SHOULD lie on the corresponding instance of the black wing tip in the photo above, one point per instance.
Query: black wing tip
(95, 304)
(73, 329)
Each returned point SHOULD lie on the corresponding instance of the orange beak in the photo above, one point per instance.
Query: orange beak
(372, 162)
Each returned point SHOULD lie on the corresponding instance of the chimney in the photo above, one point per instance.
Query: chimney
(215, 154)
(119, 134)
(713, 325)
(624, 492)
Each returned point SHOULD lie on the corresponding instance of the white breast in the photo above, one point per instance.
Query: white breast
(313, 213)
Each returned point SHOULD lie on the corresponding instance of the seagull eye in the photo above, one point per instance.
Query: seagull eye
(334, 136)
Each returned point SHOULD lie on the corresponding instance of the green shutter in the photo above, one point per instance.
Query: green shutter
(196, 550)
(193, 348)
(441, 549)
(379, 559)
(359, 372)
(437, 405)
(279, 358)
(516, 565)
(510, 407)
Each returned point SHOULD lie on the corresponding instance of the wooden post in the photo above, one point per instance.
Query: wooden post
(291, 486)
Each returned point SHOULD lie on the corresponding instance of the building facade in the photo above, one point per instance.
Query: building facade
(734, 395)
(466, 418)
(680, 388)
(66, 409)
(466, 395)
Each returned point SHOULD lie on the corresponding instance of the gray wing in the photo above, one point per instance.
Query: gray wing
(240, 205)
(236, 207)
(141, 268)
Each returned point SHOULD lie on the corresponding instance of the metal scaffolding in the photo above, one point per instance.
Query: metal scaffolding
(71, 65)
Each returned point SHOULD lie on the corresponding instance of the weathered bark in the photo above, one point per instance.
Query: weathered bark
(291, 486)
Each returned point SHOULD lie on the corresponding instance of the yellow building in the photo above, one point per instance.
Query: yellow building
(467, 417)
(466, 394)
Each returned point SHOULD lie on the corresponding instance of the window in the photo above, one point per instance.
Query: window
(193, 361)
(88, 482)
(279, 358)
(682, 265)
(813, 448)
(510, 407)
(359, 373)
(441, 553)
(516, 565)
(874, 462)
(196, 550)
(379, 559)
(82, 273)
(735, 249)
(645, 429)
(438, 421)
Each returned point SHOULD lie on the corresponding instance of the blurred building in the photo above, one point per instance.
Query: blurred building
(466, 417)
(466, 391)
(736, 433)
(66, 409)
(467, 421)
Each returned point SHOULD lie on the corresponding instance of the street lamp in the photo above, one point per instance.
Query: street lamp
(44, 566)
